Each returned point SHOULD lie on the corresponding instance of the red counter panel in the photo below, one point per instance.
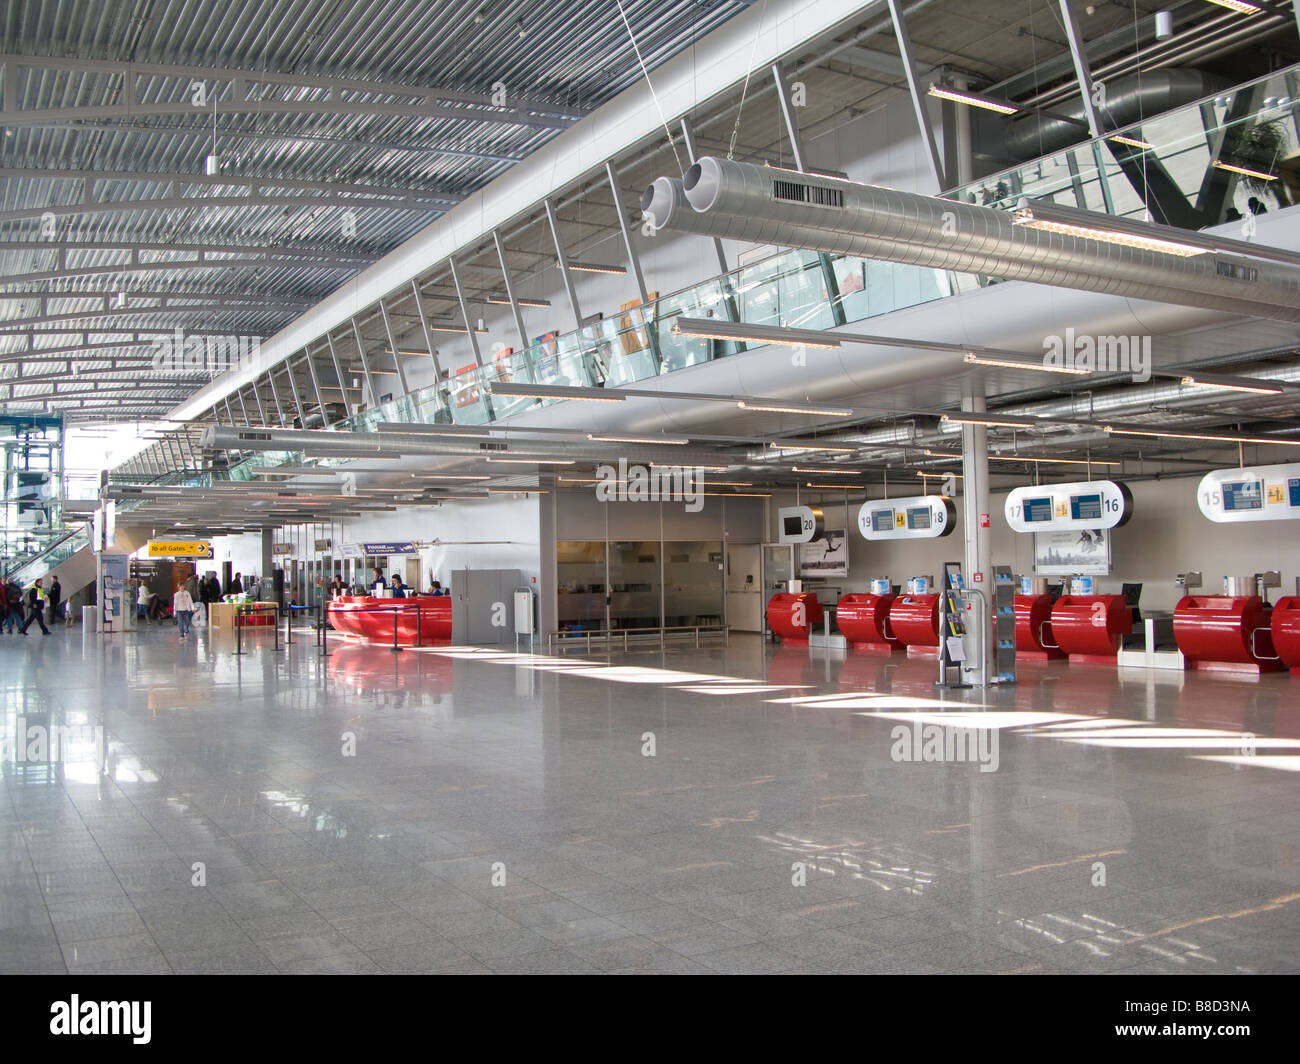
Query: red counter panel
(372, 618)
(1034, 638)
(1285, 629)
(1088, 627)
(864, 621)
(1216, 631)
(793, 617)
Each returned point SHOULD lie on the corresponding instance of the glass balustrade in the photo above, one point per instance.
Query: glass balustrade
(1209, 162)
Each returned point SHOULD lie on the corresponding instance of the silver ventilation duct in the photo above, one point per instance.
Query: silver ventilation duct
(1128, 100)
(790, 209)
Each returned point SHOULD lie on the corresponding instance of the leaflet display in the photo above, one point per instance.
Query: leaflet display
(1255, 493)
(1086, 506)
(917, 517)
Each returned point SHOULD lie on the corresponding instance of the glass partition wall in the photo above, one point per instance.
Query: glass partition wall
(629, 584)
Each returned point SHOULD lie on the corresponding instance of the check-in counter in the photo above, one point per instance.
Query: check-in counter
(864, 621)
(1285, 629)
(1033, 631)
(915, 622)
(1225, 632)
(1088, 628)
(793, 616)
(419, 620)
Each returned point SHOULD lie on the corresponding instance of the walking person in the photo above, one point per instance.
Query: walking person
(183, 607)
(56, 601)
(35, 609)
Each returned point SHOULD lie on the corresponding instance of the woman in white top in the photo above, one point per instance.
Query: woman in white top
(183, 607)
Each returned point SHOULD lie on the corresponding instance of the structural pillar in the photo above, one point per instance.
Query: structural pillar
(977, 564)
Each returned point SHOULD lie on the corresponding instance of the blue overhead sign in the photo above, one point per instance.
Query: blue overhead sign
(389, 548)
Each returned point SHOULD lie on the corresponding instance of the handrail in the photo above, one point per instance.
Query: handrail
(565, 635)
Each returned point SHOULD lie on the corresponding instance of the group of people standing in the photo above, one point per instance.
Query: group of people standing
(195, 592)
(36, 600)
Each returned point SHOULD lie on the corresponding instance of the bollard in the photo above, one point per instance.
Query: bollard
(418, 640)
(239, 634)
(396, 648)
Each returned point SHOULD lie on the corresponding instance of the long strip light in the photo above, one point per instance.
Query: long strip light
(1239, 6)
(776, 407)
(533, 461)
(706, 468)
(400, 428)
(1039, 365)
(831, 472)
(447, 476)
(500, 300)
(1007, 421)
(706, 329)
(785, 445)
(553, 391)
(1211, 437)
(593, 267)
(1245, 171)
(675, 441)
(1192, 381)
(954, 96)
(1132, 142)
(1030, 458)
(1051, 218)
(833, 487)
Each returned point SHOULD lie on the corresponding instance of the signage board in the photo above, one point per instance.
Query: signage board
(1087, 506)
(910, 517)
(828, 555)
(281, 548)
(1255, 493)
(799, 524)
(321, 544)
(178, 548)
(373, 549)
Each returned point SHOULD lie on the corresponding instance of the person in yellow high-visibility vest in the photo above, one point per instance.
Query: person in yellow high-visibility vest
(35, 608)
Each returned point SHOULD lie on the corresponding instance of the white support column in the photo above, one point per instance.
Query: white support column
(977, 564)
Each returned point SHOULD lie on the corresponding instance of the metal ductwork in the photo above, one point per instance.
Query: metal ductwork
(1128, 100)
(790, 209)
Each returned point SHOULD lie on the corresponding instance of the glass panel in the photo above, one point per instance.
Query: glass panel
(634, 585)
(580, 584)
(693, 583)
(778, 567)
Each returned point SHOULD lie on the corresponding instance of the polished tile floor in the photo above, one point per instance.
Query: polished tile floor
(738, 809)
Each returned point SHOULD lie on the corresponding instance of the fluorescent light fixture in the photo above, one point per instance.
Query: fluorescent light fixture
(1245, 171)
(1030, 458)
(937, 476)
(694, 465)
(1005, 362)
(500, 299)
(1132, 142)
(1239, 6)
(1091, 225)
(775, 406)
(1007, 421)
(533, 461)
(831, 472)
(973, 101)
(786, 445)
(448, 329)
(1192, 381)
(593, 267)
(708, 329)
(447, 476)
(834, 487)
(518, 491)
(553, 391)
(1164, 434)
(674, 441)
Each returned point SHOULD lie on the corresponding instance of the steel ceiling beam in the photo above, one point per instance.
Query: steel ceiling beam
(181, 203)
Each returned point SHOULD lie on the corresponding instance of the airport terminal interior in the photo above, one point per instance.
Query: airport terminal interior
(701, 486)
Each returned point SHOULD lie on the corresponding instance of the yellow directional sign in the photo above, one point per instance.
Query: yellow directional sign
(179, 548)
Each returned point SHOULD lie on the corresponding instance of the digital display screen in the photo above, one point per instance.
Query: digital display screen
(1085, 507)
(1037, 510)
(1293, 487)
(918, 518)
(792, 526)
(1243, 495)
(882, 520)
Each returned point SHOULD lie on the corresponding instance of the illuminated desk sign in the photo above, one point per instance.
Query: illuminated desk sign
(799, 524)
(1080, 507)
(913, 517)
(1255, 493)
(178, 548)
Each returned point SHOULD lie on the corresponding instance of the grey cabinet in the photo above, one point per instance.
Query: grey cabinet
(482, 606)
